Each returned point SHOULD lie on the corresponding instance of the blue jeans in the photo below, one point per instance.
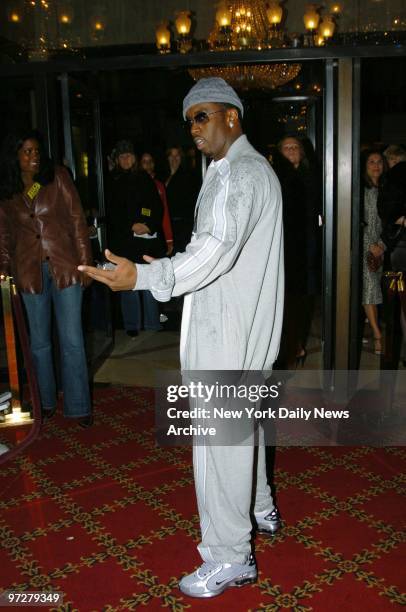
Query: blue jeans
(131, 310)
(68, 313)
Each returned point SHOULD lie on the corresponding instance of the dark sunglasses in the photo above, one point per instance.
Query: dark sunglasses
(201, 118)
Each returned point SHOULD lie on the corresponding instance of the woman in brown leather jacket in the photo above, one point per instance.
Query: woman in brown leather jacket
(43, 238)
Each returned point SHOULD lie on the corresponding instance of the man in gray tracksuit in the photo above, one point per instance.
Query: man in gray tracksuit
(232, 277)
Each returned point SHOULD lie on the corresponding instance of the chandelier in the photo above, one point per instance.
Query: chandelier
(45, 27)
(248, 25)
(257, 76)
(251, 25)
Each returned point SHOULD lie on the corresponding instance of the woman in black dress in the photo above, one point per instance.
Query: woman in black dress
(300, 194)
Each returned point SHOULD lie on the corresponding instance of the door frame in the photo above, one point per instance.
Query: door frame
(341, 184)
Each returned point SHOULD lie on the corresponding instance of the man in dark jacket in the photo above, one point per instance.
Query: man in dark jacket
(392, 196)
(134, 229)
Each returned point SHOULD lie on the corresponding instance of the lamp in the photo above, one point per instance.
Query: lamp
(14, 16)
(98, 26)
(163, 37)
(336, 8)
(327, 27)
(275, 13)
(223, 16)
(65, 15)
(220, 37)
(183, 23)
(311, 20)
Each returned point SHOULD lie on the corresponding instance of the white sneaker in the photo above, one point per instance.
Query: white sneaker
(212, 579)
(163, 318)
(268, 521)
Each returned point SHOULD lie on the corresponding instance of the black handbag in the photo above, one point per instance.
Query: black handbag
(392, 233)
(398, 255)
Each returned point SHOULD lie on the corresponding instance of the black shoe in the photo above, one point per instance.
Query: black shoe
(48, 413)
(86, 421)
(132, 333)
(300, 359)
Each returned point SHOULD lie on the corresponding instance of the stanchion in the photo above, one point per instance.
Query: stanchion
(17, 416)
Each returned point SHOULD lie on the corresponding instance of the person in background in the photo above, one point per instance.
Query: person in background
(372, 167)
(193, 161)
(134, 226)
(148, 165)
(181, 192)
(111, 161)
(43, 238)
(392, 211)
(300, 195)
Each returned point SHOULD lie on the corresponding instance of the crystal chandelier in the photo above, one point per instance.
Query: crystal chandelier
(248, 24)
(44, 27)
(241, 25)
(257, 76)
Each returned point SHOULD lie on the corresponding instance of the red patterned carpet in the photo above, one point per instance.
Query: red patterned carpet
(109, 519)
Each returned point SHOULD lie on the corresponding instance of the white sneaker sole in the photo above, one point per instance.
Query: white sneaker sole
(236, 582)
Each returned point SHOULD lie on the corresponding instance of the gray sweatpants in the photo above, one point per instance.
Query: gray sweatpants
(224, 486)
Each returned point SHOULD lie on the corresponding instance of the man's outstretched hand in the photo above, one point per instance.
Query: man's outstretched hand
(123, 277)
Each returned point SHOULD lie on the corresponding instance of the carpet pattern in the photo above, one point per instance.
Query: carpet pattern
(109, 519)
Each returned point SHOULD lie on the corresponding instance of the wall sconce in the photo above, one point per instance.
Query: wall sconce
(163, 37)
(183, 23)
(223, 16)
(311, 20)
(221, 37)
(98, 26)
(274, 14)
(14, 16)
(327, 27)
(336, 8)
(65, 12)
(65, 18)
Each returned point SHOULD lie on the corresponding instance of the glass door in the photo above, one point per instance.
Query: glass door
(83, 156)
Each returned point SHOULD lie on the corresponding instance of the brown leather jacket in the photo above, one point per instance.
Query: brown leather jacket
(52, 228)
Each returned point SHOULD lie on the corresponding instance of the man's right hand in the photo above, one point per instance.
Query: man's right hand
(123, 277)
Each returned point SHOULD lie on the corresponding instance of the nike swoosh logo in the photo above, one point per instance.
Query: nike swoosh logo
(221, 582)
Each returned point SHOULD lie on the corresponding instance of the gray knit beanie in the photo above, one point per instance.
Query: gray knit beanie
(212, 89)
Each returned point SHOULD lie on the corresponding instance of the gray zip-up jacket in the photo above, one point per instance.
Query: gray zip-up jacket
(231, 273)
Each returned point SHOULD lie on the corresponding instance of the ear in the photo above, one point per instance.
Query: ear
(232, 117)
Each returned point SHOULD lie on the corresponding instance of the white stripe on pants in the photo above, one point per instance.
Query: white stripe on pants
(224, 483)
